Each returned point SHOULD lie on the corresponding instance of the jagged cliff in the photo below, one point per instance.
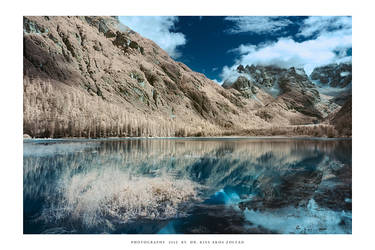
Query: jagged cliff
(334, 75)
(94, 77)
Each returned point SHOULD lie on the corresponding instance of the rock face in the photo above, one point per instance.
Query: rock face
(299, 93)
(334, 75)
(94, 77)
(243, 85)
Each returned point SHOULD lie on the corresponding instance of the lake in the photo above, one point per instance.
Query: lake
(187, 186)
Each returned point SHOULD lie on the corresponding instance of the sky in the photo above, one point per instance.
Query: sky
(216, 45)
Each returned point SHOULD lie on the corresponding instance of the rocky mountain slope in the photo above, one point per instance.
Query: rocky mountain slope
(342, 120)
(334, 75)
(94, 77)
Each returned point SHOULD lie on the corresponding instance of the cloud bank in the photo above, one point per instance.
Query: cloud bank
(158, 29)
(327, 41)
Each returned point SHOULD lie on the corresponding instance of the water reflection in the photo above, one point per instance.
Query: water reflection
(187, 186)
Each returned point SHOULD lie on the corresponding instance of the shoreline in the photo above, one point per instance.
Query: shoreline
(240, 137)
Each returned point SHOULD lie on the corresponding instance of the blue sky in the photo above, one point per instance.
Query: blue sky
(216, 45)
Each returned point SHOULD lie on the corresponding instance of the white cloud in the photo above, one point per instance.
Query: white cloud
(257, 24)
(287, 53)
(230, 74)
(333, 39)
(319, 25)
(157, 28)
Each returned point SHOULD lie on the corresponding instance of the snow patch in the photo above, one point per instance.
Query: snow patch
(300, 72)
(343, 74)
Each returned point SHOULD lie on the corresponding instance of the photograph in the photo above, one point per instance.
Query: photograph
(187, 124)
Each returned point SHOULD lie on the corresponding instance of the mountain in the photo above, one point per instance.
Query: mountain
(334, 75)
(95, 77)
(289, 88)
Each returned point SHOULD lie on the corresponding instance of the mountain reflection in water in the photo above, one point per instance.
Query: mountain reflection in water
(220, 185)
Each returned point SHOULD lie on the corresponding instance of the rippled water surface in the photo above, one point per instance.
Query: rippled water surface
(221, 185)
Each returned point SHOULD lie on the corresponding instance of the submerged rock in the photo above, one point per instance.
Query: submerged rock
(292, 189)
